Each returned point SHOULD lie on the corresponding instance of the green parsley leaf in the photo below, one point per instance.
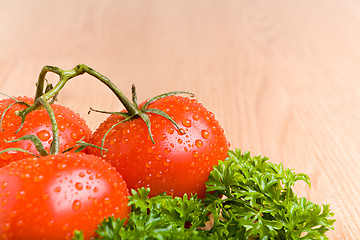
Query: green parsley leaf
(247, 198)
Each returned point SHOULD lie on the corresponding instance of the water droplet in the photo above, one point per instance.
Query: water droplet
(199, 143)
(61, 166)
(167, 150)
(19, 223)
(65, 227)
(20, 194)
(186, 108)
(148, 164)
(180, 141)
(74, 135)
(57, 189)
(162, 137)
(96, 189)
(205, 134)
(78, 186)
(3, 185)
(76, 205)
(186, 122)
(44, 135)
(107, 200)
(61, 128)
(6, 226)
(81, 174)
(195, 154)
(5, 156)
(150, 149)
(38, 178)
(98, 175)
(170, 130)
(195, 117)
(113, 141)
(166, 162)
(148, 177)
(46, 196)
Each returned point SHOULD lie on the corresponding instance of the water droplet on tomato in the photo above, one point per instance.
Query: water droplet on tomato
(57, 189)
(78, 186)
(195, 154)
(61, 166)
(81, 174)
(167, 150)
(148, 164)
(76, 205)
(186, 122)
(38, 178)
(199, 143)
(195, 117)
(166, 162)
(20, 194)
(107, 200)
(46, 196)
(44, 135)
(3, 185)
(186, 108)
(162, 137)
(96, 189)
(5, 156)
(19, 223)
(170, 130)
(61, 128)
(180, 141)
(74, 135)
(65, 227)
(6, 226)
(205, 134)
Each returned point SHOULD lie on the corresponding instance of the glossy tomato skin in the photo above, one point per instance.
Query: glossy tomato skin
(50, 197)
(72, 128)
(178, 162)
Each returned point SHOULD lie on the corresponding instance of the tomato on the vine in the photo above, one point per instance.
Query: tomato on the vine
(51, 197)
(178, 160)
(72, 128)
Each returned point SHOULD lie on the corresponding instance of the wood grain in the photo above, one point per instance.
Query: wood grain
(282, 77)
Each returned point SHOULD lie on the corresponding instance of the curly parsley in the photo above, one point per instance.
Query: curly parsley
(248, 198)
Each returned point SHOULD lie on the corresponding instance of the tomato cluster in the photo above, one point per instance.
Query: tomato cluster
(168, 144)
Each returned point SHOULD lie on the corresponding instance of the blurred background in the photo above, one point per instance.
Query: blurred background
(282, 77)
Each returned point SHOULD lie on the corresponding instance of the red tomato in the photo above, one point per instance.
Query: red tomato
(72, 128)
(178, 162)
(50, 197)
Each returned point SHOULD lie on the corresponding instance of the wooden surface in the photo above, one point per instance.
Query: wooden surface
(282, 77)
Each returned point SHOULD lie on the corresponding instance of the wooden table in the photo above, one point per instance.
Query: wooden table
(282, 77)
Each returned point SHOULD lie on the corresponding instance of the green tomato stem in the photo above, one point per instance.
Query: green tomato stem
(55, 144)
(66, 75)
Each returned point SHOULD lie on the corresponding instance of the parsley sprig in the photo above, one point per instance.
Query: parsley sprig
(248, 198)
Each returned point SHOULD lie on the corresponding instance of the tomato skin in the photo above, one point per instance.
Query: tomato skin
(50, 197)
(72, 128)
(177, 163)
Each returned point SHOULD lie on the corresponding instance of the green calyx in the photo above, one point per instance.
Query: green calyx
(134, 111)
